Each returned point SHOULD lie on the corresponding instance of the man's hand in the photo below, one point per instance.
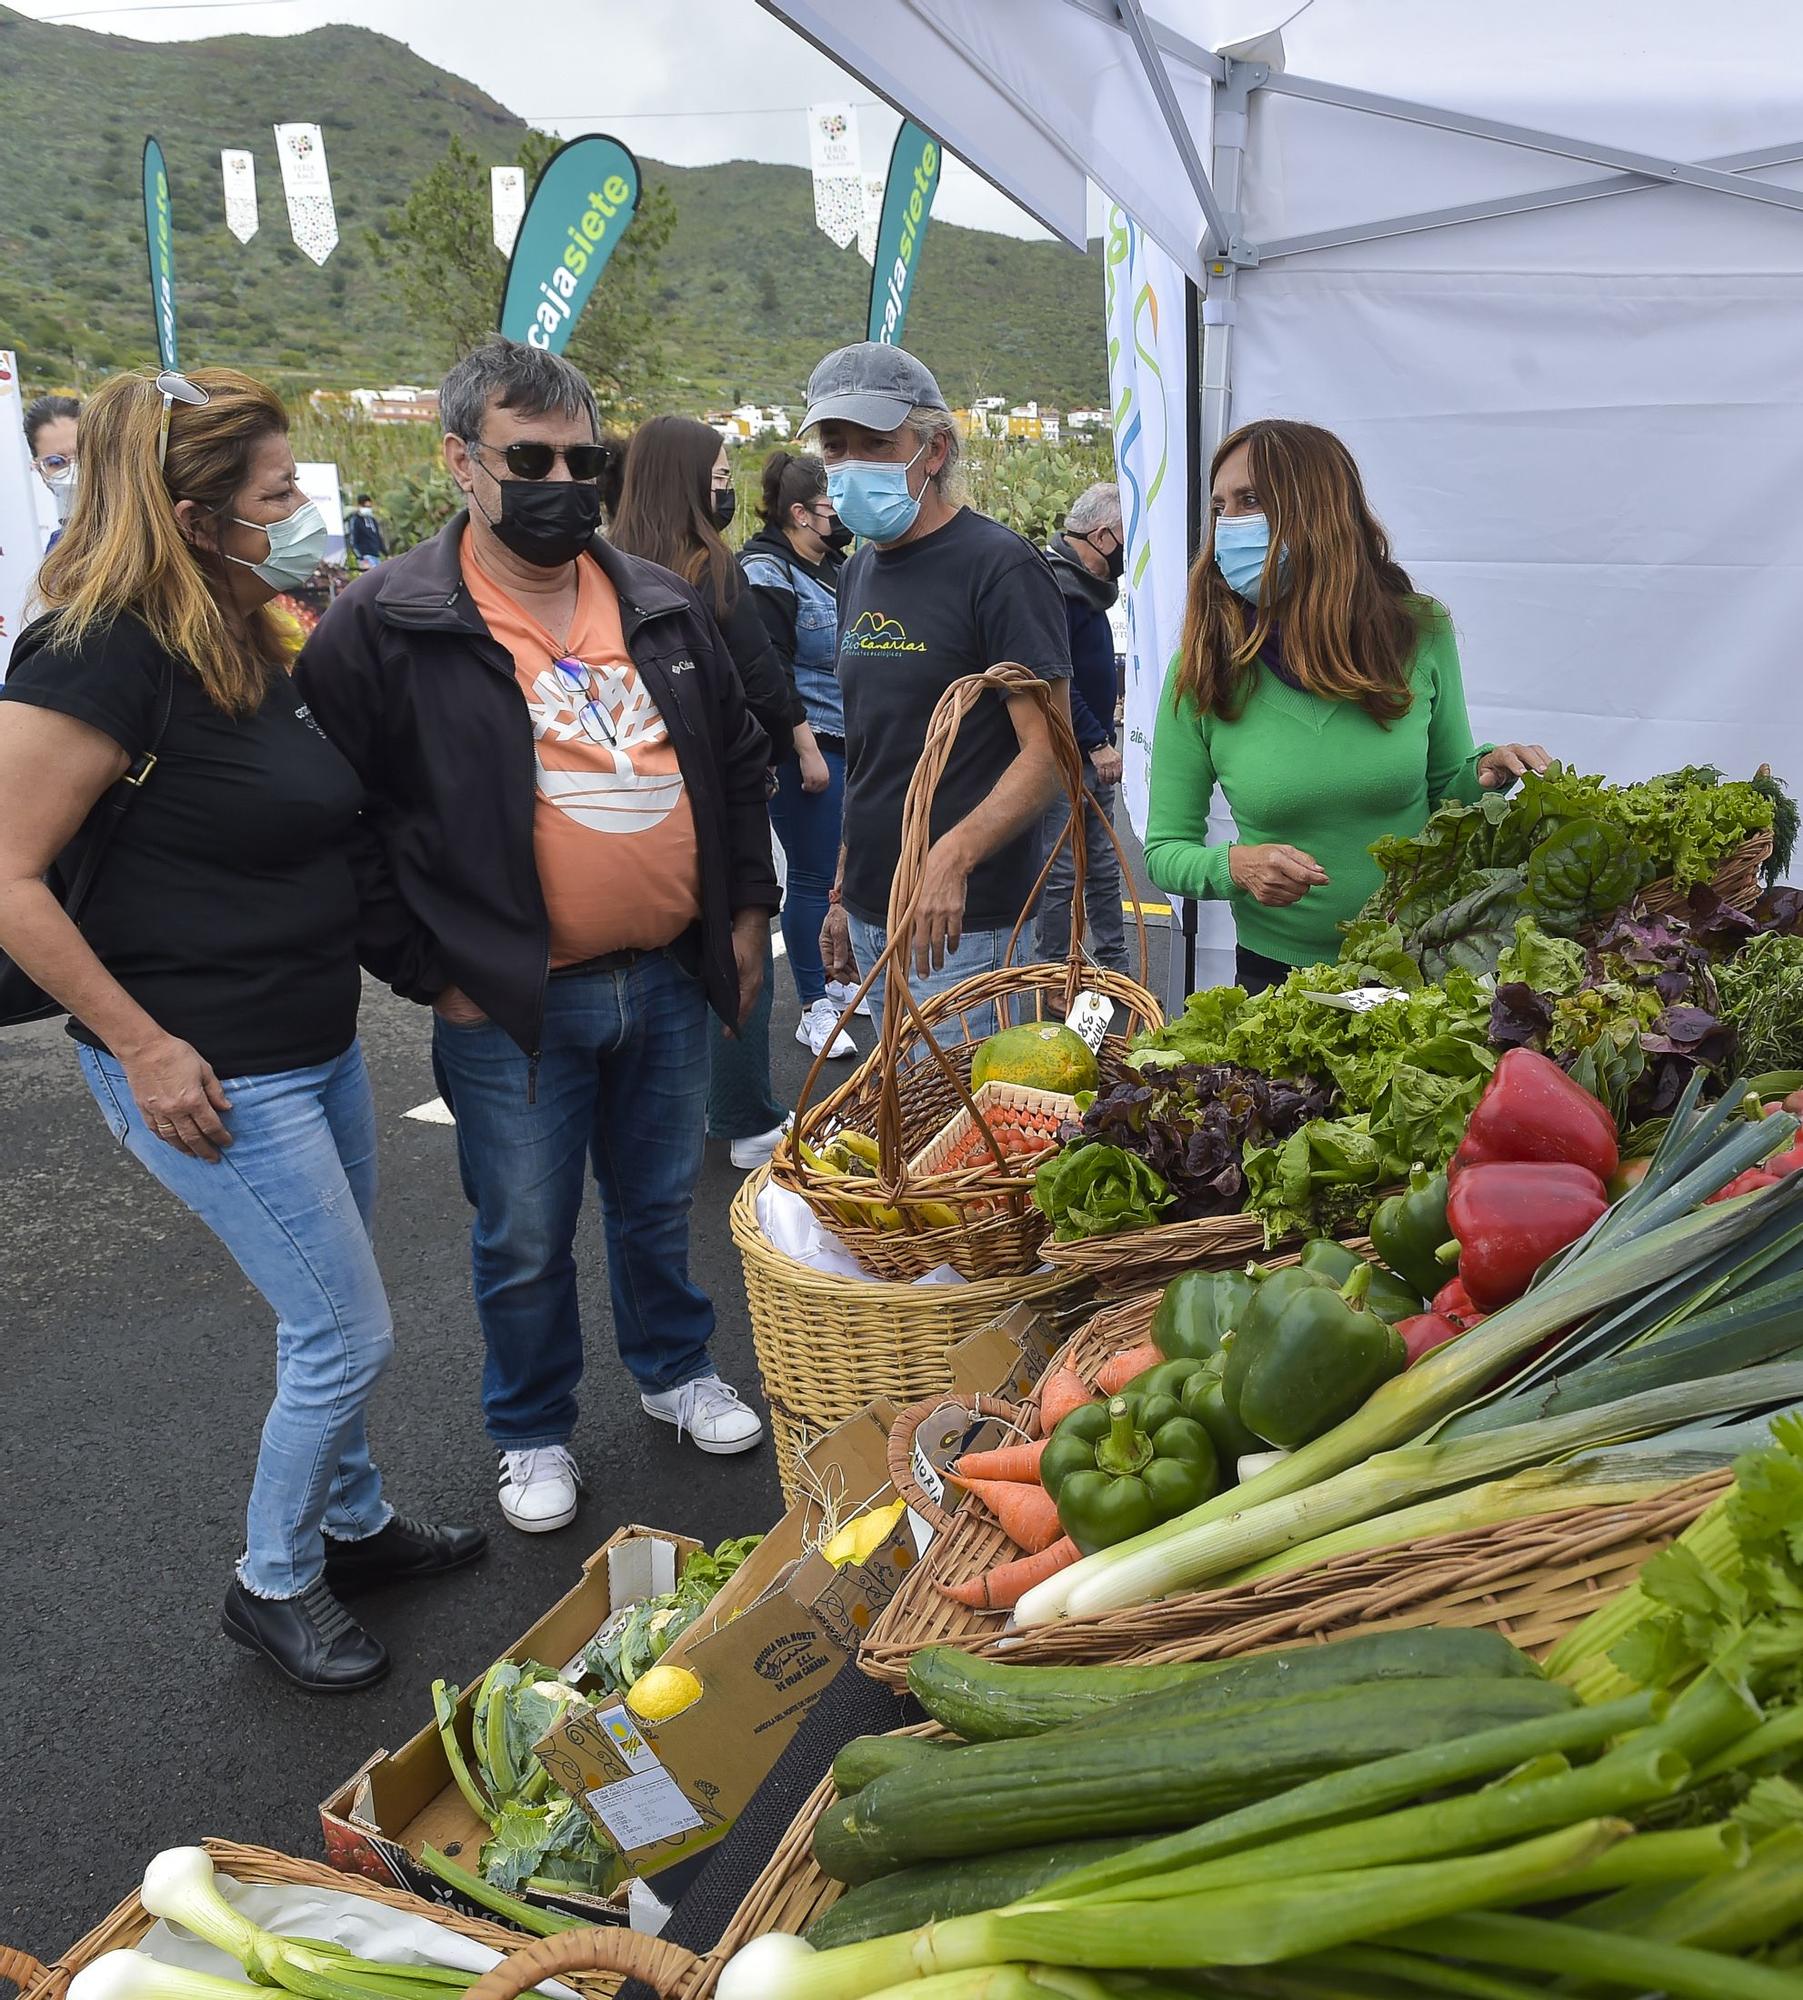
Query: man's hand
(835, 947)
(1498, 769)
(1275, 875)
(180, 1097)
(750, 942)
(1105, 762)
(457, 1010)
(939, 908)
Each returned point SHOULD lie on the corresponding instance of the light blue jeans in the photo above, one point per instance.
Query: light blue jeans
(291, 1198)
(978, 951)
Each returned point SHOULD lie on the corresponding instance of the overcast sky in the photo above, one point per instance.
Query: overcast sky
(688, 81)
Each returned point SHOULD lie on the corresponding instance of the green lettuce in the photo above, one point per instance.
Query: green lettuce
(1098, 1191)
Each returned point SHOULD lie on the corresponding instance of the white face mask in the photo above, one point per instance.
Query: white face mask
(296, 546)
(62, 490)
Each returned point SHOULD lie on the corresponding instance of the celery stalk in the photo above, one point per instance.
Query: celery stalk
(526, 1916)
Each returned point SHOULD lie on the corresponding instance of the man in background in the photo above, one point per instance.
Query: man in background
(1087, 559)
(50, 424)
(364, 534)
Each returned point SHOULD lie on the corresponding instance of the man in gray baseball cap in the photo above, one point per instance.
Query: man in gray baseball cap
(937, 592)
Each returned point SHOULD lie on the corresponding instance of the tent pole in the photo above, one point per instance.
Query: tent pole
(1219, 242)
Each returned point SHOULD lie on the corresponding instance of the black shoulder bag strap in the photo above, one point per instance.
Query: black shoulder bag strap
(117, 801)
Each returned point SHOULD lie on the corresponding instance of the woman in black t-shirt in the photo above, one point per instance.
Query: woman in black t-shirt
(213, 984)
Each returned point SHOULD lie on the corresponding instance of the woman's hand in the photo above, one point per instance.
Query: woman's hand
(815, 777)
(1275, 875)
(1498, 769)
(180, 1097)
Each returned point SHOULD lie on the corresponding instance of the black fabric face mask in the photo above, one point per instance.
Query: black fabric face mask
(547, 522)
(838, 536)
(1116, 559)
(726, 505)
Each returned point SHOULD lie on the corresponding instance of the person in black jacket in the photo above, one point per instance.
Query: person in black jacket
(676, 502)
(567, 858)
(363, 534)
(1087, 560)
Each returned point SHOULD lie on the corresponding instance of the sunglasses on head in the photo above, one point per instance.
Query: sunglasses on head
(173, 389)
(534, 461)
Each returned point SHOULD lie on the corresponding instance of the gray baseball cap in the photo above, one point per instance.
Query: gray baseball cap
(870, 383)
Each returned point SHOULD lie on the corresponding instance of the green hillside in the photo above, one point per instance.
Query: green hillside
(750, 292)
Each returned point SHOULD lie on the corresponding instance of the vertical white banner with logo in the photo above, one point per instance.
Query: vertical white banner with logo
(833, 152)
(870, 223)
(239, 172)
(312, 220)
(21, 536)
(507, 198)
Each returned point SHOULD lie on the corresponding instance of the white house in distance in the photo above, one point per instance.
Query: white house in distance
(748, 421)
(1087, 420)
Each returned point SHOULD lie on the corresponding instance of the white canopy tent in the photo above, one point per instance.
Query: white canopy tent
(1540, 265)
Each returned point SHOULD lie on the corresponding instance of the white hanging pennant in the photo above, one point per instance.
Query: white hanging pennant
(239, 171)
(507, 194)
(871, 221)
(838, 178)
(312, 220)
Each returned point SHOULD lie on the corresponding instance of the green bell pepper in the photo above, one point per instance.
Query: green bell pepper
(1204, 1398)
(1388, 1297)
(1292, 1375)
(1118, 1468)
(1409, 1228)
(1273, 1290)
(1167, 1379)
(1198, 1310)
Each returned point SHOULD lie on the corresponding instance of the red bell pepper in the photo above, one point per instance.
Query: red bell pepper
(1750, 1182)
(1531, 1110)
(1423, 1332)
(1453, 1302)
(1510, 1216)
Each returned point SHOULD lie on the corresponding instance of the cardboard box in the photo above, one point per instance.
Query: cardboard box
(763, 1652)
(377, 1821)
(1006, 1359)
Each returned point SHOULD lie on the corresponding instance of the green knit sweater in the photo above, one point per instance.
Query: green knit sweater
(1309, 773)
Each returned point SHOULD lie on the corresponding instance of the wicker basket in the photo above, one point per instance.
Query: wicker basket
(1738, 880)
(977, 1218)
(1140, 1257)
(131, 1921)
(827, 1345)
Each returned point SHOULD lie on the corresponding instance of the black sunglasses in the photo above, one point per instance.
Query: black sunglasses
(534, 461)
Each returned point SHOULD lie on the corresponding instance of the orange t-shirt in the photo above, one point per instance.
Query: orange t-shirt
(613, 832)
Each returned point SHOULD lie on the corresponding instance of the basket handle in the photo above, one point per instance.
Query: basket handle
(901, 1447)
(21, 1968)
(602, 1948)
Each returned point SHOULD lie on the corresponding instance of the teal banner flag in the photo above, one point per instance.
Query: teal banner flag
(159, 236)
(907, 203)
(584, 203)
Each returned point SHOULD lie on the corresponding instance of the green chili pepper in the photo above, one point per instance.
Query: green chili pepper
(1197, 1311)
(1142, 1461)
(1388, 1297)
(1205, 1399)
(1408, 1230)
(1293, 1375)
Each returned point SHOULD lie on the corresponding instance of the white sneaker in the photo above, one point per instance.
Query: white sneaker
(749, 1154)
(819, 1030)
(709, 1411)
(538, 1488)
(840, 995)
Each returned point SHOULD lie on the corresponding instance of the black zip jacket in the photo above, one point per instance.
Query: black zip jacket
(408, 682)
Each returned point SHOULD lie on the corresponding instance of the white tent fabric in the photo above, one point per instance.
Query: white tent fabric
(1582, 422)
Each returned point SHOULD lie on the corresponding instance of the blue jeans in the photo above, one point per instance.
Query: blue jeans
(739, 1102)
(292, 1199)
(622, 1088)
(978, 951)
(808, 824)
(1104, 921)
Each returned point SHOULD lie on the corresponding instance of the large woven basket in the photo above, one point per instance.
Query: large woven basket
(827, 1345)
(130, 1921)
(1140, 1257)
(978, 1218)
(1738, 880)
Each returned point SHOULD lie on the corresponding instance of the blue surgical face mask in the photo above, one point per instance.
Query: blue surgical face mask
(297, 546)
(1242, 542)
(871, 497)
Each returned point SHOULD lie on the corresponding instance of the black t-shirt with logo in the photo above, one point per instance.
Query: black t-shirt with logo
(912, 620)
(226, 905)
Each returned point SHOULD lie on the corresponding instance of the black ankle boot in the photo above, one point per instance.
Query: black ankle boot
(311, 1639)
(404, 1549)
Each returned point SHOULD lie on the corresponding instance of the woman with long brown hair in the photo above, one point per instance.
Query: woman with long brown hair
(675, 505)
(1318, 689)
(213, 984)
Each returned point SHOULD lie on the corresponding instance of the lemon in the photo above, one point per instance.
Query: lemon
(662, 1693)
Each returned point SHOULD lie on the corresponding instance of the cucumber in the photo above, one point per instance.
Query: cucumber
(939, 1889)
(986, 1798)
(984, 1700)
(868, 1757)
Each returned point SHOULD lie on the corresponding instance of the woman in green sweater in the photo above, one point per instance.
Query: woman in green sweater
(1318, 690)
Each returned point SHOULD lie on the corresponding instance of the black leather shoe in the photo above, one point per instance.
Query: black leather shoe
(311, 1639)
(399, 1552)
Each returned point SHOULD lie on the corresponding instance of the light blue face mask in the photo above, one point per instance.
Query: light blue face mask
(871, 497)
(1242, 542)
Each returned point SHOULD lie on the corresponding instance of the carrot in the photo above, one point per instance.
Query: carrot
(1028, 1514)
(1061, 1394)
(1009, 1461)
(1121, 1369)
(1003, 1587)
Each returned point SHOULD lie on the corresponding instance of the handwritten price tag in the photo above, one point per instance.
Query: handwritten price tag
(1090, 1017)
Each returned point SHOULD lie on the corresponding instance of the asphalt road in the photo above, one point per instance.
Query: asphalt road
(135, 1369)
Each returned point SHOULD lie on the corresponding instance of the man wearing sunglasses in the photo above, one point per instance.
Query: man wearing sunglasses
(569, 861)
(50, 424)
